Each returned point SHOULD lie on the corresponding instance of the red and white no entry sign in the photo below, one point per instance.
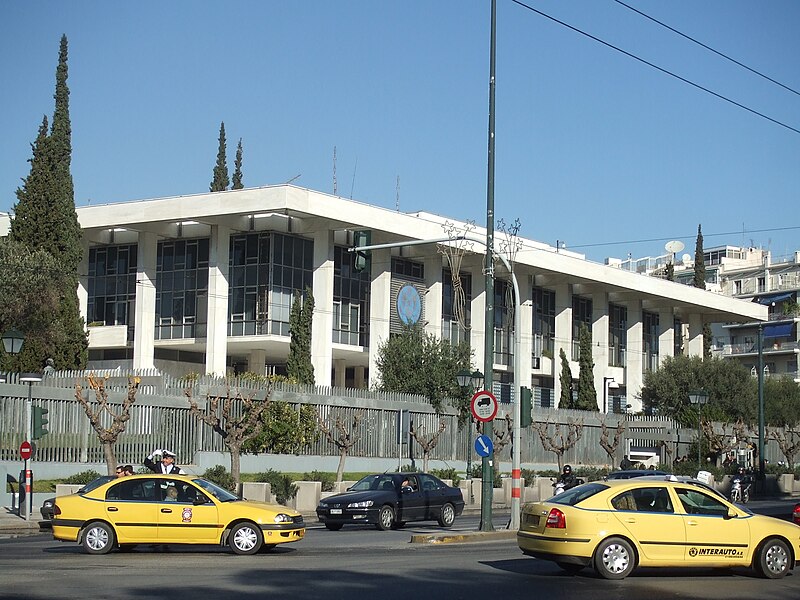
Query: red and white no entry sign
(483, 406)
(25, 450)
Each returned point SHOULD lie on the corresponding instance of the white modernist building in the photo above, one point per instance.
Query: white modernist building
(205, 284)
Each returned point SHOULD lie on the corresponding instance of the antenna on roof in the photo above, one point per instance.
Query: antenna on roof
(673, 248)
(293, 178)
(334, 170)
(353, 184)
(397, 199)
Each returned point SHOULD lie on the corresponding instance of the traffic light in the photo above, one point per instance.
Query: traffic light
(39, 422)
(526, 404)
(362, 258)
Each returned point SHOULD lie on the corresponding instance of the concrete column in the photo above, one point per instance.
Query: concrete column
(695, 335)
(633, 355)
(666, 334)
(433, 298)
(217, 327)
(322, 321)
(340, 375)
(257, 361)
(563, 335)
(379, 308)
(526, 329)
(478, 310)
(145, 318)
(360, 380)
(83, 284)
(600, 342)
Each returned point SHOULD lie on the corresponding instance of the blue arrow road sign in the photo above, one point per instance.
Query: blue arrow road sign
(483, 445)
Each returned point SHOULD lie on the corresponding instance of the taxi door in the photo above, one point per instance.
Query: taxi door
(187, 515)
(131, 507)
(711, 538)
(648, 514)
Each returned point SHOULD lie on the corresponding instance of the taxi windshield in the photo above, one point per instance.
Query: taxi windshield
(219, 493)
(577, 494)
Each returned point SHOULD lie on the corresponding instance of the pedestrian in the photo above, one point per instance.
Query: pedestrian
(120, 471)
(128, 470)
(167, 464)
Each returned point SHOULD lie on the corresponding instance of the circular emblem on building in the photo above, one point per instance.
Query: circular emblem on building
(409, 304)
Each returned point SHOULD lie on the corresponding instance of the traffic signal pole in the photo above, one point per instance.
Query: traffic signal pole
(28, 461)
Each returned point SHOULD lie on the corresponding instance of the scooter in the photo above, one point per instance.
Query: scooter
(740, 491)
(558, 487)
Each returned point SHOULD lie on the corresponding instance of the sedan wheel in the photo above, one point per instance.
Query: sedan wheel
(333, 526)
(773, 559)
(245, 538)
(385, 518)
(614, 559)
(99, 538)
(447, 516)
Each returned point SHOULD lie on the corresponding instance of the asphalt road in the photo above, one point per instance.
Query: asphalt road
(356, 562)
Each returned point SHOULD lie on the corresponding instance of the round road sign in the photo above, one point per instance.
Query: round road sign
(25, 450)
(483, 406)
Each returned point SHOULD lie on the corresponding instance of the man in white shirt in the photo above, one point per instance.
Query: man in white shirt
(167, 464)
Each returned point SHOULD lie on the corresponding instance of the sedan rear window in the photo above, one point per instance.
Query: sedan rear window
(578, 494)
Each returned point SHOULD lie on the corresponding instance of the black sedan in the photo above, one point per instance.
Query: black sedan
(389, 500)
(47, 505)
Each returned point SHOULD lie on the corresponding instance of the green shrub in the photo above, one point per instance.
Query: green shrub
(477, 473)
(408, 469)
(447, 474)
(282, 485)
(591, 473)
(328, 480)
(83, 477)
(221, 477)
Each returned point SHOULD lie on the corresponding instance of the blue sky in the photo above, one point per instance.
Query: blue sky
(593, 148)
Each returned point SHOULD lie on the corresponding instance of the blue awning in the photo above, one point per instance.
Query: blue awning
(768, 299)
(778, 331)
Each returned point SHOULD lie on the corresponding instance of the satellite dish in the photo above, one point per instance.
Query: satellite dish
(686, 258)
(674, 246)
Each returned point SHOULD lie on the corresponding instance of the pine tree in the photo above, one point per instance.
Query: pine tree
(237, 168)
(587, 395)
(45, 219)
(220, 181)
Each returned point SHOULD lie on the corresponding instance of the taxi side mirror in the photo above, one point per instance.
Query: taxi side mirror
(731, 514)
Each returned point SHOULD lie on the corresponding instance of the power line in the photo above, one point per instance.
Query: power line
(654, 66)
(699, 43)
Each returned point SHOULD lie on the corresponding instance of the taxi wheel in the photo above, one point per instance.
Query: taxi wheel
(99, 538)
(614, 558)
(773, 559)
(385, 518)
(447, 516)
(333, 526)
(245, 538)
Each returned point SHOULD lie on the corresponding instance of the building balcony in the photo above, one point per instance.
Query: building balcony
(769, 347)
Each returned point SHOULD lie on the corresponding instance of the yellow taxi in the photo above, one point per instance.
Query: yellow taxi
(171, 509)
(616, 526)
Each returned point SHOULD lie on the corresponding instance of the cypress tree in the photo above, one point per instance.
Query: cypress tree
(237, 168)
(220, 181)
(587, 395)
(45, 219)
(700, 282)
(565, 378)
(298, 364)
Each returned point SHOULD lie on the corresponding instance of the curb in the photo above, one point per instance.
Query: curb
(462, 538)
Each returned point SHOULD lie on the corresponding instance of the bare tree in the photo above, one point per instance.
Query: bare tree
(561, 440)
(724, 437)
(343, 438)
(426, 442)
(611, 445)
(788, 440)
(100, 411)
(219, 413)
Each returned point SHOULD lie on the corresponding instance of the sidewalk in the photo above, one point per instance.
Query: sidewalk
(11, 523)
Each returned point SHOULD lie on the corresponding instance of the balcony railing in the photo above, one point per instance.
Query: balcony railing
(768, 348)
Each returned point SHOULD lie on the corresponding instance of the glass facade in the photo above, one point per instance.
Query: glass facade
(617, 334)
(451, 328)
(503, 322)
(581, 313)
(266, 268)
(112, 285)
(181, 289)
(544, 321)
(350, 300)
(649, 341)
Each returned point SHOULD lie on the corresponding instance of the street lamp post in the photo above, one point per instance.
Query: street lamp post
(699, 398)
(608, 384)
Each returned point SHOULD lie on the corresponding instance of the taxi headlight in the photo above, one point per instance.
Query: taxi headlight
(364, 504)
(283, 518)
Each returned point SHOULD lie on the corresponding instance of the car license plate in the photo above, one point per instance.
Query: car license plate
(336, 511)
